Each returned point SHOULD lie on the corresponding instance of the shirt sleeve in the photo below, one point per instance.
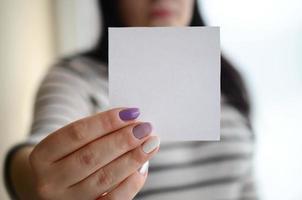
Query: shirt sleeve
(63, 97)
(249, 189)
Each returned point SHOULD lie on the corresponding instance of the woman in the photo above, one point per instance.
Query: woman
(101, 156)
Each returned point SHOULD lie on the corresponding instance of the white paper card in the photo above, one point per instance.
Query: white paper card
(172, 74)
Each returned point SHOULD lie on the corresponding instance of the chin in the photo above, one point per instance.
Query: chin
(164, 22)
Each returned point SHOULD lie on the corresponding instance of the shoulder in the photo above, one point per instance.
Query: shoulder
(92, 74)
(80, 66)
(232, 121)
(78, 71)
(78, 75)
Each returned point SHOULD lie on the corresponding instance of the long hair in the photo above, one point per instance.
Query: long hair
(232, 85)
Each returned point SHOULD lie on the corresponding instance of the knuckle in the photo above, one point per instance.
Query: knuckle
(108, 121)
(104, 179)
(137, 157)
(44, 191)
(130, 142)
(77, 132)
(108, 197)
(33, 156)
(112, 197)
(136, 184)
(125, 141)
(86, 157)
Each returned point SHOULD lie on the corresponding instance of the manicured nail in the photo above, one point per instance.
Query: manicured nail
(144, 169)
(142, 130)
(129, 114)
(151, 144)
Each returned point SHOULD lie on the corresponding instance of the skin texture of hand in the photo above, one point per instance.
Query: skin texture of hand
(97, 157)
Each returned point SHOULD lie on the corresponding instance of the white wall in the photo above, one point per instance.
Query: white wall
(264, 38)
(77, 24)
(26, 50)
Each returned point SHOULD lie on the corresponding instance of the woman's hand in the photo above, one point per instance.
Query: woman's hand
(97, 157)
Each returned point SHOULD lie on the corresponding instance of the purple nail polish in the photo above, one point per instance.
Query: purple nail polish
(142, 130)
(129, 114)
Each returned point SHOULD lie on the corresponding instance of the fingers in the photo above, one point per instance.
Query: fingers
(80, 164)
(127, 189)
(77, 134)
(115, 172)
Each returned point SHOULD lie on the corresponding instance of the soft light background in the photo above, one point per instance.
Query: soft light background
(263, 37)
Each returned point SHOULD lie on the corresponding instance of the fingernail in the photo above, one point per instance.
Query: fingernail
(142, 130)
(151, 144)
(129, 114)
(144, 169)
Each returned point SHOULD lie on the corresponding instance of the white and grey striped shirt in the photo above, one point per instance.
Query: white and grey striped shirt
(181, 170)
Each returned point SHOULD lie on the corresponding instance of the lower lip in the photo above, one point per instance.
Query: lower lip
(160, 13)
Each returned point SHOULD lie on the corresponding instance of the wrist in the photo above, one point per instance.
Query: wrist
(18, 174)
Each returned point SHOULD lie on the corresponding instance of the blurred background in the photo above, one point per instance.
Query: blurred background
(262, 37)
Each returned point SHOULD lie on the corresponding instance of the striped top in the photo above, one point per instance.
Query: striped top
(222, 170)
